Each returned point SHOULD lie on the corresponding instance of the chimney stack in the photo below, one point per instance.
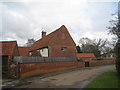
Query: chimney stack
(43, 34)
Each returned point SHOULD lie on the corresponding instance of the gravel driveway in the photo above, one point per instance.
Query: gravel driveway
(74, 79)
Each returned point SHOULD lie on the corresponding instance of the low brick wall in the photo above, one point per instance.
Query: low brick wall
(30, 69)
(27, 70)
(101, 62)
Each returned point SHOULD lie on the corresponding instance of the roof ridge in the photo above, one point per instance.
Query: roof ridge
(48, 35)
(52, 32)
(8, 41)
(54, 36)
(46, 40)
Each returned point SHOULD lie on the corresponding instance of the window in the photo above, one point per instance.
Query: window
(63, 48)
(30, 53)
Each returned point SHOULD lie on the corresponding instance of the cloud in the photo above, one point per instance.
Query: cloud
(23, 20)
(92, 35)
(16, 26)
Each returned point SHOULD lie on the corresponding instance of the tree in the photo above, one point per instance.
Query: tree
(85, 40)
(30, 42)
(95, 46)
(114, 29)
(78, 49)
(86, 45)
(100, 45)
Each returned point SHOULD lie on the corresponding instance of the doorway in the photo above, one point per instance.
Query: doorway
(86, 64)
(4, 66)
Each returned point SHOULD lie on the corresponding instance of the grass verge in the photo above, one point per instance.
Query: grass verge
(106, 80)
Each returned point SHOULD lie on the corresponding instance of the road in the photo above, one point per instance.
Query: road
(74, 79)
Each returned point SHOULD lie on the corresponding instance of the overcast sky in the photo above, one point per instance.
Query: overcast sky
(25, 19)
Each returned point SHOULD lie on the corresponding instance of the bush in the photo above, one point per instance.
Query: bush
(99, 59)
(79, 59)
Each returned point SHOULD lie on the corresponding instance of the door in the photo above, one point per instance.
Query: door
(4, 66)
(86, 64)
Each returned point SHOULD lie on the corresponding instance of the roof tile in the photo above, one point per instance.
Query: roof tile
(7, 47)
(85, 55)
(43, 42)
(23, 51)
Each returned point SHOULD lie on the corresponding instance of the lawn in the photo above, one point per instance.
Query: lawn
(106, 80)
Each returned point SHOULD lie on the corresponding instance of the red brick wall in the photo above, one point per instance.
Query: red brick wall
(81, 64)
(57, 52)
(10, 58)
(16, 51)
(102, 62)
(62, 39)
(27, 70)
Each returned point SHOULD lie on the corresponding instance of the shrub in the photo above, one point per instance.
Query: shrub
(99, 59)
(79, 59)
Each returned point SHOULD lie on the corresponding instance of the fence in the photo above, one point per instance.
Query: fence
(25, 59)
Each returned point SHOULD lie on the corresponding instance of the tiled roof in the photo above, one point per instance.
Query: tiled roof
(43, 42)
(85, 55)
(23, 51)
(7, 47)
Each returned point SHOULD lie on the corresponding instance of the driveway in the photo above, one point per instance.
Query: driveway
(74, 79)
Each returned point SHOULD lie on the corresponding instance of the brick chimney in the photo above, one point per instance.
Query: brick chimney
(43, 34)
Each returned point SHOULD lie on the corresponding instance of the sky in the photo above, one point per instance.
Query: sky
(83, 18)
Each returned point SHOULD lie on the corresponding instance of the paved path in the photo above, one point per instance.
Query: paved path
(74, 79)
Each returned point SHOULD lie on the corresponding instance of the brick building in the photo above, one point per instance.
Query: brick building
(8, 49)
(23, 51)
(59, 43)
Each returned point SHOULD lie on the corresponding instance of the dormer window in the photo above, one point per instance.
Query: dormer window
(63, 48)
